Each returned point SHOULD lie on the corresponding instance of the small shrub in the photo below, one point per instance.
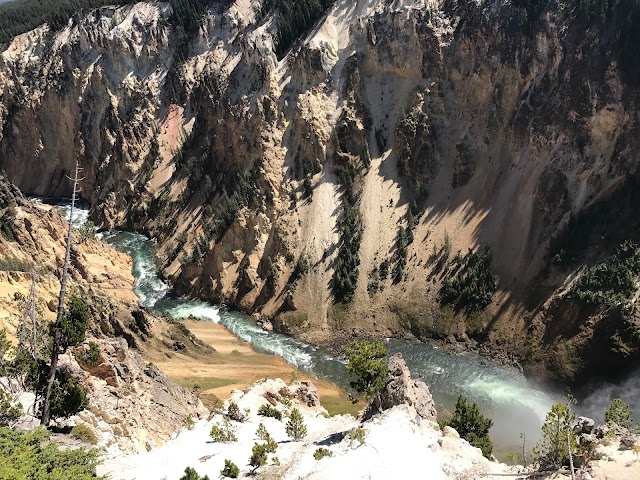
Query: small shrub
(321, 452)
(85, 231)
(264, 435)
(225, 433)
(270, 411)
(262, 432)
(618, 413)
(357, 434)
(90, 357)
(84, 433)
(230, 470)
(258, 456)
(234, 412)
(30, 455)
(295, 427)
(10, 412)
(191, 474)
(286, 402)
(189, 423)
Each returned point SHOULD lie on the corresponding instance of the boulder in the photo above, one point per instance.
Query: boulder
(627, 441)
(401, 389)
(585, 425)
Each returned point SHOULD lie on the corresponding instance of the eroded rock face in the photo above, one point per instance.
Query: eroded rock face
(133, 406)
(401, 389)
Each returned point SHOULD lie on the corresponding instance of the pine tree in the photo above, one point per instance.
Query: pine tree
(472, 425)
(367, 362)
(295, 427)
(258, 456)
(557, 435)
(618, 413)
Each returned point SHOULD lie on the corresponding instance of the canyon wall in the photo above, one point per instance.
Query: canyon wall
(336, 189)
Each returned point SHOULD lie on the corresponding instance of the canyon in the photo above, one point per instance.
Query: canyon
(284, 185)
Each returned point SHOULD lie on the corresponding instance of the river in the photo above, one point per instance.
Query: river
(504, 394)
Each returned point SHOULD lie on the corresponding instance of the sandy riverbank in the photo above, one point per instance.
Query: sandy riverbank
(235, 365)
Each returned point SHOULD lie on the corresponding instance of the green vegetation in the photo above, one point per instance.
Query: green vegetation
(295, 427)
(191, 474)
(618, 413)
(61, 396)
(607, 223)
(471, 285)
(8, 213)
(29, 455)
(269, 411)
(258, 456)
(234, 412)
(86, 231)
(230, 469)
(24, 15)
(262, 432)
(91, 356)
(472, 425)
(295, 17)
(611, 282)
(264, 435)
(322, 452)
(357, 434)
(300, 270)
(68, 397)
(14, 264)
(84, 433)
(10, 411)
(223, 433)
(345, 277)
(404, 238)
(367, 362)
(557, 435)
(73, 324)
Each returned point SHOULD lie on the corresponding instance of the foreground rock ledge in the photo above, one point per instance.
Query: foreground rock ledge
(399, 443)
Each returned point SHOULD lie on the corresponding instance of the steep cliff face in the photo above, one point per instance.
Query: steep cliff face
(280, 185)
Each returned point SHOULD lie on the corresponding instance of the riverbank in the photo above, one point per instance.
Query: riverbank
(235, 365)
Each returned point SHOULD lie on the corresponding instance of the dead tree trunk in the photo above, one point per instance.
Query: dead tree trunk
(46, 406)
(570, 453)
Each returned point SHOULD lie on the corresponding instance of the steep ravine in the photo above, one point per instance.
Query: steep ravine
(491, 122)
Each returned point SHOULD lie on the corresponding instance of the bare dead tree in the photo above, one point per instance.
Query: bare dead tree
(55, 351)
(570, 453)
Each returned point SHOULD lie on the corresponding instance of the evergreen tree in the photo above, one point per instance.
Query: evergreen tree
(367, 362)
(295, 427)
(557, 435)
(472, 425)
(618, 413)
(191, 474)
(230, 470)
(258, 456)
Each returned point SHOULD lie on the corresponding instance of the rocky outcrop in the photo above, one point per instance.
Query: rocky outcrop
(401, 389)
(133, 406)
(395, 444)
